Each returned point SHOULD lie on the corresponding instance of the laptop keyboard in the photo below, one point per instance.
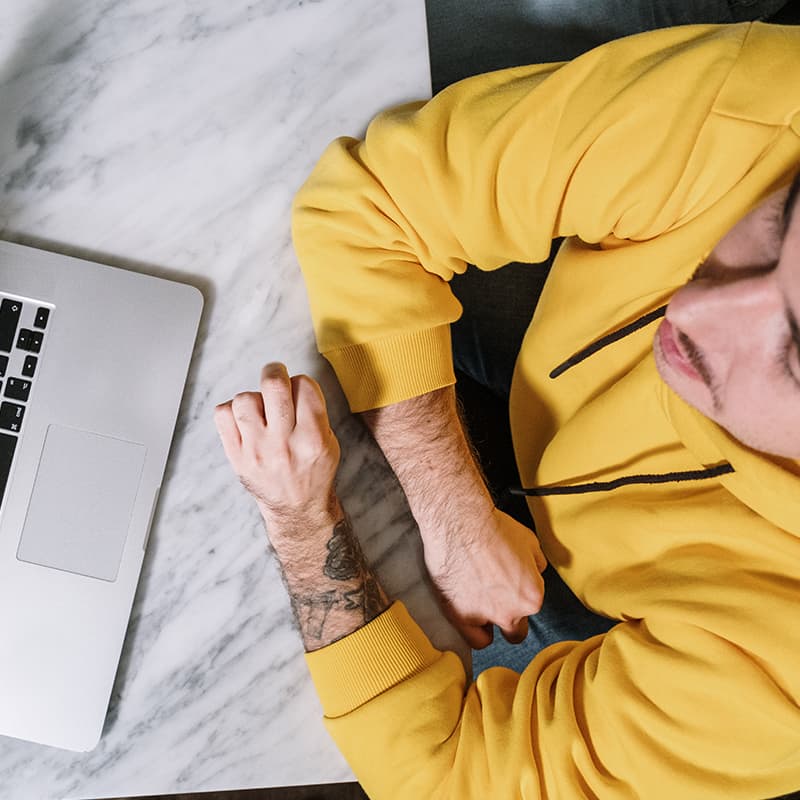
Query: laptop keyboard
(23, 324)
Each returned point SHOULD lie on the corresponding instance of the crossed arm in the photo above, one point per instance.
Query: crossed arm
(280, 444)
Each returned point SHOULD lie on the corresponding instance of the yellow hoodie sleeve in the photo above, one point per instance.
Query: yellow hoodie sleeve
(488, 172)
(653, 709)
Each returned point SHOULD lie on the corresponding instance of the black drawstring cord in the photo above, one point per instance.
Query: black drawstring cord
(629, 480)
(607, 486)
(607, 340)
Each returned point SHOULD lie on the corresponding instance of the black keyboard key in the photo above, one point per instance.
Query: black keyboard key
(30, 340)
(18, 389)
(28, 368)
(11, 416)
(7, 445)
(36, 341)
(42, 316)
(9, 318)
(3, 365)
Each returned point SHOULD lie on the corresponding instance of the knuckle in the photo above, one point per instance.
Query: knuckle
(307, 387)
(313, 442)
(240, 398)
(243, 404)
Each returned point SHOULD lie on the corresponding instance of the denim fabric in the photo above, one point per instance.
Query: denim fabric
(562, 618)
(497, 309)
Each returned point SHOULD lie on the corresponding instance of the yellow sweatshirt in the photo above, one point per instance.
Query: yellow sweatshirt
(643, 152)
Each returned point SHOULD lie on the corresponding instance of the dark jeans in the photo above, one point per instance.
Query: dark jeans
(497, 310)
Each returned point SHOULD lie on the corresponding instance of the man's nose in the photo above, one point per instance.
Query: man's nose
(724, 315)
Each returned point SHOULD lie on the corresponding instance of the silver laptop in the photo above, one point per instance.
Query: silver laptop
(93, 362)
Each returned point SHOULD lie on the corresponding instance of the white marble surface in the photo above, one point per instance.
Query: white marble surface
(169, 138)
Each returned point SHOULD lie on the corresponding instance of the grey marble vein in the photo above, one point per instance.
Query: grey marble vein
(169, 138)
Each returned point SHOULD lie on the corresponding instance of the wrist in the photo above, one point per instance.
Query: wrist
(288, 521)
(300, 539)
(458, 496)
(331, 587)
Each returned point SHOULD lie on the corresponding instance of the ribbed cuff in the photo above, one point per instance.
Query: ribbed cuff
(369, 661)
(377, 374)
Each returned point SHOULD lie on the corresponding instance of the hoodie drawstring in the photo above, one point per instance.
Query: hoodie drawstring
(607, 486)
(581, 355)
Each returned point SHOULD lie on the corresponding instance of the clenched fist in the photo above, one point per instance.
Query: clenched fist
(280, 444)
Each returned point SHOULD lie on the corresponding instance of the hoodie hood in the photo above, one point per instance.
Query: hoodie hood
(768, 485)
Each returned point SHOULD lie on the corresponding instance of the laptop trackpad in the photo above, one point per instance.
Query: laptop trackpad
(82, 502)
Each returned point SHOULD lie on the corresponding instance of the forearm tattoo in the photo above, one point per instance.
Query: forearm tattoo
(312, 612)
(327, 611)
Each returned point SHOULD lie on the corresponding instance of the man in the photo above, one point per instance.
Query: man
(654, 410)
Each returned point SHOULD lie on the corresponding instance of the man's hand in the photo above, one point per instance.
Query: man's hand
(281, 446)
(487, 571)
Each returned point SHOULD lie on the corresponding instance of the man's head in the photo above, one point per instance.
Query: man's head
(729, 344)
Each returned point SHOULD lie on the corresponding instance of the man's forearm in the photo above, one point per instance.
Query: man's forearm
(424, 442)
(332, 589)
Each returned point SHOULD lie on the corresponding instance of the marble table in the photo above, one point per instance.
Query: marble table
(169, 138)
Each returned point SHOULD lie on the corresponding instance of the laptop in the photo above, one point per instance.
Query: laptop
(93, 362)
